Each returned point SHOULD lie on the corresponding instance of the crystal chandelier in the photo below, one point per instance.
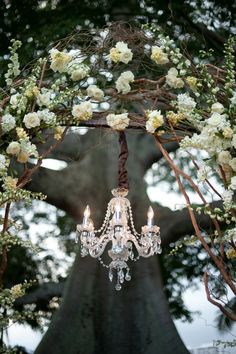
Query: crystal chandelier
(118, 230)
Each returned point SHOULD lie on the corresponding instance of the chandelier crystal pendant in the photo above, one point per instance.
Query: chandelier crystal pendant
(118, 230)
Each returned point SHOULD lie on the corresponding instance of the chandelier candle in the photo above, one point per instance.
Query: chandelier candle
(150, 215)
(118, 231)
(86, 215)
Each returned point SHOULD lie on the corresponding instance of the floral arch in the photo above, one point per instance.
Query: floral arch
(90, 80)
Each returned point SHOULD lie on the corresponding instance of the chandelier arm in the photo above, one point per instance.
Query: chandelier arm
(123, 156)
(98, 244)
(140, 248)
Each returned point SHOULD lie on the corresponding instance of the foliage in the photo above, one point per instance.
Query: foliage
(40, 23)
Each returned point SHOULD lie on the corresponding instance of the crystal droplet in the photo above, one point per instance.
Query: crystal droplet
(118, 287)
(121, 276)
(128, 277)
(110, 275)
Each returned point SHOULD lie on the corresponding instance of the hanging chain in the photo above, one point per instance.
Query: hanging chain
(122, 172)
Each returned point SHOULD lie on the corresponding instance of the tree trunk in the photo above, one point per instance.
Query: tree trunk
(96, 319)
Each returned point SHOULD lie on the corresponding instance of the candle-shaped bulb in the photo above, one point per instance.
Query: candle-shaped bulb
(86, 215)
(117, 211)
(150, 215)
(87, 211)
(91, 225)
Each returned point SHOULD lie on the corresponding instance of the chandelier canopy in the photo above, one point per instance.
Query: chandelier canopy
(118, 230)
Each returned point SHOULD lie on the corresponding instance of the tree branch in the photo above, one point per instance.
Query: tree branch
(222, 308)
(42, 295)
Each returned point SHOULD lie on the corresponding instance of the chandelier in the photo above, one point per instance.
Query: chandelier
(118, 230)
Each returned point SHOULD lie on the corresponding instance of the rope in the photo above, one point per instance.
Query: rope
(122, 174)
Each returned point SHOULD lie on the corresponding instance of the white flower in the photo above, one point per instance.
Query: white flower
(159, 56)
(31, 120)
(233, 99)
(23, 157)
(17, 291)
(83, 111)
(59, 60)
(8, 122)
(172, 80)
(207, 140)
(44, 98)
(232, 164)
(217, 107)
(126, 54)
(122, 46)
(188, 63)
(13, 148)
(217, 120)
(234, 141)
(127, 75)
(118, 121)
(203, 173)
(2, 162)
(182, 72)
(48, 117)
(114, 55)
(123, 86)
(172, 71)
(155, 120)
(150, 127)
(14, 100)
(185, 102)
(77, 71)
(28, 148)
(121, 53)
(233, 183)
(227, 196)
(95, 92)
(224, 157)
(18, 102)
(123, 82)
(126, 57)
(228, 133)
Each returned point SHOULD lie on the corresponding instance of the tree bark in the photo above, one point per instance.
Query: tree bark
(96, 319)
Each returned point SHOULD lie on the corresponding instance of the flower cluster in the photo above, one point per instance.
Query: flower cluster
(121, 53)
(173, 80)
(59, 60)
(217, 136)
(118, 121)
(14, 65)
(78, 71)
(82, 111)
(159, 56)
(154, 120)
(123, 82)
(95, 93)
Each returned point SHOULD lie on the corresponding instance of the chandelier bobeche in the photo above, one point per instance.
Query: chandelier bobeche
(118, 230)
